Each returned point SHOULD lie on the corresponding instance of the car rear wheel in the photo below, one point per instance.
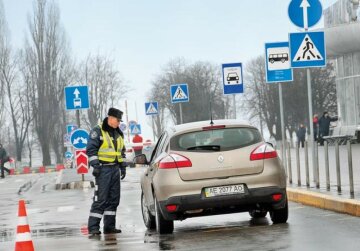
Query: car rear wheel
(280, 215)
(149, 219)
(257, 213)
(162, 226)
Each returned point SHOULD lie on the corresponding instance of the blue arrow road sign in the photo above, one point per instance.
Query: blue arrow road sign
(307, 49)
(135, 129)
(179, 93)
(79, 138)
(305, 13)
(68, 155)
(278, 67)
(70, 128)
(232, 78)
(76, 97)
(151, 108)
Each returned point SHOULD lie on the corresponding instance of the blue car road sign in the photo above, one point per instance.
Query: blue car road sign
(79, 138)
(278, 67)
(305, 13)
(76, 97)
(151, 108)
(232, 78)
(307, 49)
(179, 93)
(135, 129)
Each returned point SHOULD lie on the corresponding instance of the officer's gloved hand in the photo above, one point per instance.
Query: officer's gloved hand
(96, 168)
(123, 170)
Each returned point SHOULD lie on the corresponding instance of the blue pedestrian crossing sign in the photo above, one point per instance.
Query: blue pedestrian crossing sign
(151, 108)
(76, 97)
(79, 138)
(307, 49)
(135, 129)
(179, 93)
(278, 67)
(305, 13)
(232, 78)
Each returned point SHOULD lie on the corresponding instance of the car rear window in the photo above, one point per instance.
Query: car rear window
(216, 140)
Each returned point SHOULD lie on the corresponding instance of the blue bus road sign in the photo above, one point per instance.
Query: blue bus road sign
(305, 13)
(232, 78)
(70, 128)
(76, 97)
(179, 93)
(135, 129)
(79, 138)
(68, 155)
(278, 67)
(151, 108)
(307, 49)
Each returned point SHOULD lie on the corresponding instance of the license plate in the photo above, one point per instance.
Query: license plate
(224, 190)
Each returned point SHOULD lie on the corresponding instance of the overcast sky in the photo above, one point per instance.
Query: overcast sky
(143, 35)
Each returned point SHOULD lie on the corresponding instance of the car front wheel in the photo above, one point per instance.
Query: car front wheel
(149, 219)
(162, 226)
(280, 215)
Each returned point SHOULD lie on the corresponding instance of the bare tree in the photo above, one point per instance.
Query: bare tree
(203, 81)
(262, 99)
(50, 70)
(106, 87)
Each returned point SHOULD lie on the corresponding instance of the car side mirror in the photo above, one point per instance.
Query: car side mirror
(140, 159)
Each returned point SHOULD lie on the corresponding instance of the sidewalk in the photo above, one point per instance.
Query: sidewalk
(322, 198)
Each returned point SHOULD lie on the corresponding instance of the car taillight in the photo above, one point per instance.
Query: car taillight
(213, 127)
(174, 160)
(263, 152)
(171, 208)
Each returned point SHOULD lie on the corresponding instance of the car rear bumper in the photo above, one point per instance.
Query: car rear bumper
(198, 205)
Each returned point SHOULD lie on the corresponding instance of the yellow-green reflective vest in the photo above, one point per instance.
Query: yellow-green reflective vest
(107, 150)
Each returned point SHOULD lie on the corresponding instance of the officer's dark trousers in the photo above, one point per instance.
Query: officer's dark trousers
(106, 198)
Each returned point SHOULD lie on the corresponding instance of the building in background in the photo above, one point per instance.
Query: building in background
(342, 36)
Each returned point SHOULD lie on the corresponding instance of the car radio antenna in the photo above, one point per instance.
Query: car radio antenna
(211, 117)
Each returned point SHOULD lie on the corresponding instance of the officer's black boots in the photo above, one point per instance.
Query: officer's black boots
(94, 232)
(112, 231)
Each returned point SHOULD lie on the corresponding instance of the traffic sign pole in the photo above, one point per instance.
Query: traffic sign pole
(234, 103)
(283, 152)
(181, 114)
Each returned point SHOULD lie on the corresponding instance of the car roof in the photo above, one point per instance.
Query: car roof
(200, 124)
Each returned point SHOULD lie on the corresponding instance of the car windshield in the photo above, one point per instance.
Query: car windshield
(216, 140)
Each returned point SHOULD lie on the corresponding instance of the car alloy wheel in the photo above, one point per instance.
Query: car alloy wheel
(149, 219)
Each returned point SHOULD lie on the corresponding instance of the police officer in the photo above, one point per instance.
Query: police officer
(106, 150)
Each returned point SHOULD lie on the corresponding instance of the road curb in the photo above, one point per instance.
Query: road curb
(324, 201)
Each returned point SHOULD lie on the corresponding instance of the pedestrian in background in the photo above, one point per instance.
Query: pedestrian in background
(301, 132)
(106, 153)
(316, 127)
(324, 126)
(137, 149)
(3, 159)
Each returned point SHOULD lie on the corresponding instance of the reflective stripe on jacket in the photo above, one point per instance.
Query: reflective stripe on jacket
(107, 150)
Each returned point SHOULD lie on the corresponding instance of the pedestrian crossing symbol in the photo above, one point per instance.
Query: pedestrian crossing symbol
(151, 108)
(307, 49)
(179, 93)
(135, 129)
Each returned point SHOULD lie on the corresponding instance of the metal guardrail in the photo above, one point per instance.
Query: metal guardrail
(328, 141)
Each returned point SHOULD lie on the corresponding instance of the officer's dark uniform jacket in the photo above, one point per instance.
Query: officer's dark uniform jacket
(105, 150)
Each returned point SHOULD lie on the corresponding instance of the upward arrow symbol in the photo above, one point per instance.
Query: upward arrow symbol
(305, 5)
(76, 93)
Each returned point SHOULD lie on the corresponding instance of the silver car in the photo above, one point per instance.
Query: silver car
(203, 168)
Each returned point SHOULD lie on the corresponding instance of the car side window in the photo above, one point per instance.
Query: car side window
(161, 145)
(157, 147)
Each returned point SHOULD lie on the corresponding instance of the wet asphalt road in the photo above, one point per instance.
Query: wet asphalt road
(58, 221)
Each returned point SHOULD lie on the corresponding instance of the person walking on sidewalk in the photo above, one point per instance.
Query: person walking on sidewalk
(3, 159)
(301, 132)
(316, 127)
(324, 126)
(106, 153)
